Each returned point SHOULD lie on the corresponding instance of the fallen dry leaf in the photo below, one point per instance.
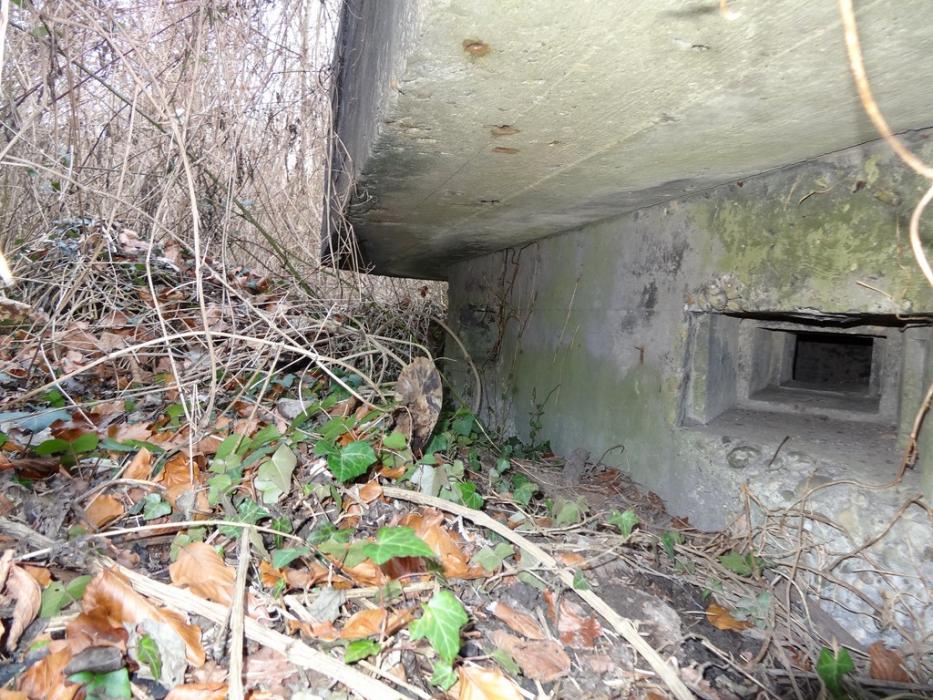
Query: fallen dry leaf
(12, 695)
(267, 667)
(140, 467)
(112, 595)
(721, 618)
(368, 623)
(46, 678)
(429, 526)
(126, 431)
(198, 691)
(574, 627)
(370, 491)
(518, 621)
(27, 598)
(269, 575)
(103, 510)
(42, 575)
(543, 660)
(309, 575)
(885, 664)
(201, 569)
(419, 386)
(479, 684)
(572, 559)
(366, 573)
(94, 629)
(6, 563)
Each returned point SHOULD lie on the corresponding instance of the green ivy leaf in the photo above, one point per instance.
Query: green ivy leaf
(626, 521)
(155, 507)
(351, 461)
(505, 660)
(53, 600)
(741, 564)
(463, 423)
(54, 398)
(491, 558)
(75, 587)
(568, 512)
(274, 478)
(100, 686)
(468, 495)
(228, 446)
(668, 540)
(394, 441)
(832, 667)
(85, 443)
(579, 581)
(148, 652)
(394, 542)
(217, 486)
(183, 539)
(443, 676)
(443, 618)
(51, 447)
(360, 649)
(264, 436)
(284, 557)
(524, 491)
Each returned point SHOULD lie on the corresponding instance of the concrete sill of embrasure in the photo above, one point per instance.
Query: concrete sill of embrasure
(799, 443)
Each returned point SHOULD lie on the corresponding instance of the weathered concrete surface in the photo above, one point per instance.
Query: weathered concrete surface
(604, 323)
(469, 126)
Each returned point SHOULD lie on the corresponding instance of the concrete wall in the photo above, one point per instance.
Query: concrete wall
(627, 324)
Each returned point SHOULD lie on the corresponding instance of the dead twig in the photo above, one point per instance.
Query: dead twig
(623, 626)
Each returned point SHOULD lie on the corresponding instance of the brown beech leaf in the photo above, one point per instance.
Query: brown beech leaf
(94, 629)
(370, 491)
(572, 559)
(368, 623)
(269, 575)
(27, 598)
(267, 667)
(198, 691)
(126, 431)
(885, 664)
(430, 528)
(111, 595)
(200, 568)
(419, 386)
(541, 659)
(518, 621)
(366, 573)
(309, 575)
(12, 695)
(721, 618)
(140, 467)
(574, 627)
(42, 575)
(32, 467)
(46, 678)
(479, 684)
(103, 510)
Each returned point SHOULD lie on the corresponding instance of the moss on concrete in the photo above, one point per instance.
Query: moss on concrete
(806, 237)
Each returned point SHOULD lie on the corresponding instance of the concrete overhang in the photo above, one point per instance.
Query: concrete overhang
(468, 126)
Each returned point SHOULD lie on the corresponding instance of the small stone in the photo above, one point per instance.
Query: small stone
(290, 408)
(741, 457)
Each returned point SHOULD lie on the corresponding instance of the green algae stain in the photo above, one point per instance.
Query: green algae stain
(810, 251)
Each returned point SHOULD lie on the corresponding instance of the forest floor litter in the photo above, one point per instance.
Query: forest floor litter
(212, 488)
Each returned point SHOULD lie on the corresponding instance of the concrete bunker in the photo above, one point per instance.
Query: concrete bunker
(846, 367)
(705, 259)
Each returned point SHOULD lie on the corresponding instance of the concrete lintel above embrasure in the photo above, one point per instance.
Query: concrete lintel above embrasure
(468, 127)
